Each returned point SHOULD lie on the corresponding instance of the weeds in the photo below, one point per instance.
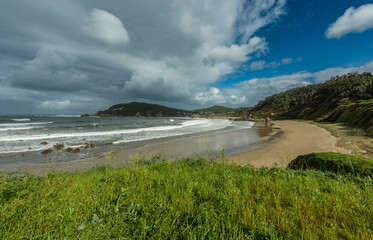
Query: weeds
(193, 198)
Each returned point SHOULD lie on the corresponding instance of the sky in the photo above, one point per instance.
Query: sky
(66, 56)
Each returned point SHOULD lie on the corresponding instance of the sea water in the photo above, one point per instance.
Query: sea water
(21, 134)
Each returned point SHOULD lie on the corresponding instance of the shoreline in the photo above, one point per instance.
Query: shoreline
(298, 138)
(210, 144)
(262, 145)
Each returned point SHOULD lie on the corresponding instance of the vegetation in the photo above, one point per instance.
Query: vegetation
(355, 140)
(346, 98)
(135, 109)
(216, 111)
(142, 109)
(334, 162)
(188, 199)
(358, 114)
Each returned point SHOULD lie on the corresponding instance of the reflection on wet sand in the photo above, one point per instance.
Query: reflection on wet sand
(211, 144)
(264, 130)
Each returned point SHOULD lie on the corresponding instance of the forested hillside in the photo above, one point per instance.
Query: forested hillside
(344, 98)
(142, 109)
(136, 109)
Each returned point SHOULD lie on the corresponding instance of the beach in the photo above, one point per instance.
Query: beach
(271, 144)
(299, 138)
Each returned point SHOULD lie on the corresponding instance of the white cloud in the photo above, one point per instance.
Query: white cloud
(106, 28)
(172, 53)
(257, 65)
(236, 53)
(213, 96)
(61, 104)
(259, 88)
(287, 60)
(258, 14)
(261, 64)
(353, 20)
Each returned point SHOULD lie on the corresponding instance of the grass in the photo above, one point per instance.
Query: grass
(334, 162)
(188, 199)
(356, 140)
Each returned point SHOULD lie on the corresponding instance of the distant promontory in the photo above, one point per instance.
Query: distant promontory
(139, 109)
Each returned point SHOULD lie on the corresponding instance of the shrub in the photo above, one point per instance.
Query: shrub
(334, 162)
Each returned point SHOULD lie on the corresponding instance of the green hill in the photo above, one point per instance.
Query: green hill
(214, 109)
(344, 99)
(141, 109)
(134, 109)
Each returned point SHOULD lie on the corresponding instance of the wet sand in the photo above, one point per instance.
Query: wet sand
(299, 138)
(263, 145)
(209, 144)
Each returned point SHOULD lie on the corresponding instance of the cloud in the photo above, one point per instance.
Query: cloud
(257, 89)
(51, 70)
(106, 28)
(261, 64)
(236, 53)
(257, 14)
(62, 104)
(213, 96)
(97, 53)
(287, 60)
(257, 65)
(353, 20)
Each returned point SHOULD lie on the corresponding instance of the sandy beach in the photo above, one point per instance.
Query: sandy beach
(263, 145)
(299, 138)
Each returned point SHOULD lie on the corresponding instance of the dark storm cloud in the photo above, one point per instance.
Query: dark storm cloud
(66, 56)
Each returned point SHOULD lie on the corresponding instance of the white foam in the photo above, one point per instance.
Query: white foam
(188, 123)
(21, 119)
(159, 132)
(195, 122)
(103, 133)
(22, 124)
(23, 150)
(85, 134)
(15, 129)
(66, 115)
(146, 138)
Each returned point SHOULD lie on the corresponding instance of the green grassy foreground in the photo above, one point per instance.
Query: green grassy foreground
(188, 199)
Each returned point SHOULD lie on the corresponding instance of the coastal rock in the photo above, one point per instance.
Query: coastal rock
(47, 151)
(76, 150)
(59, 146)
(69, 149)
(43, 143)
(85, 115)
(87, 145)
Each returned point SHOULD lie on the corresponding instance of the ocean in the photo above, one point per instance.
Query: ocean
(23, 138)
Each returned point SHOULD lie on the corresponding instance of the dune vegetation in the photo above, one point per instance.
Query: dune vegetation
(343, 99)
(335, 162)
(194, 198)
